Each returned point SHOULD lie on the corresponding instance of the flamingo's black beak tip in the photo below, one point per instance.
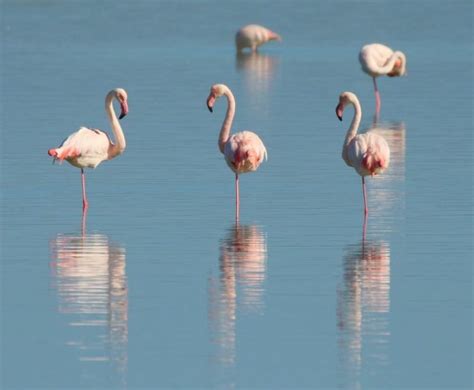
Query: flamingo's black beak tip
(210, 108)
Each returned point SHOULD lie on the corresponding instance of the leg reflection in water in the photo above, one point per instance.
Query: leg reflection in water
(238, 291)
(89, 276)
(363, 309)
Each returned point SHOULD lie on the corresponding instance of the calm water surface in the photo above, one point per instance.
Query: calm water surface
(159, 288)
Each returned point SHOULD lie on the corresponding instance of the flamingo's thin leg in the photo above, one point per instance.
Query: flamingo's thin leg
(366, 209)
(85, 203)
(83, 222)
(377, 97)
(364, 230)
(237, 198)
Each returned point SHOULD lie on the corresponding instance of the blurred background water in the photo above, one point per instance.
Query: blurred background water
(162, 289)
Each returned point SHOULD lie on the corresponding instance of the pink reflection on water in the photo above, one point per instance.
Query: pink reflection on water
(363, 307)
(239, 290)
(89, 276)
(258, 71)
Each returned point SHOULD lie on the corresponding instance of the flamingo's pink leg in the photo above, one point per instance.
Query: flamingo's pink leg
(366, 209)
(85, 203)
(83, 221)
(364, 230)
(237, 198)
(377, 97)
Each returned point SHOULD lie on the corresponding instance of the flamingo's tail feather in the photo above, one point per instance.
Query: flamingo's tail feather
(63, 153)
(373, 162)
(53, 153)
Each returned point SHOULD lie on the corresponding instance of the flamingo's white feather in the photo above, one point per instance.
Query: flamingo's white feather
(85, 148)
(244, 152)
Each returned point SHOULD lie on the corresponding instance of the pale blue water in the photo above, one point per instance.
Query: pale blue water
(164, 290)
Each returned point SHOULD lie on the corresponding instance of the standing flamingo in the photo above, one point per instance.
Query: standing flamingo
(253, 36)
(243, 151)
(87, 148)
(377, 60)
(367, 153)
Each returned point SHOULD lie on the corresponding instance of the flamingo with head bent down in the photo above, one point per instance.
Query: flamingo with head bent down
(87, 148)
(367, 153)
(253, 35)
(243, 151)
(378, 60)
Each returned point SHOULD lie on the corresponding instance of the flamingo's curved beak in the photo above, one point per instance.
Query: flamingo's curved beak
(124, 109)
(210, 102)
(273, 36)
(339, 111)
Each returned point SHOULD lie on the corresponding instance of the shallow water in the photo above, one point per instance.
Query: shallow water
(159, 287)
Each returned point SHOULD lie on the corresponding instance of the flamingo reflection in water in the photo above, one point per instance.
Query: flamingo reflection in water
(363, 307)
(258, 71)
(90, 279)
(239, 288)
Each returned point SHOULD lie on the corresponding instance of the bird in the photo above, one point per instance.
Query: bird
(368, 153)
(254, 35)
(243, 151)
(378, 60)
(87, 148)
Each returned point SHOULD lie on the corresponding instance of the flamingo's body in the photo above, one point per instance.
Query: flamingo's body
(379, 60)
(243, 151)
(367, 153)
(87, 148)
(253, 35)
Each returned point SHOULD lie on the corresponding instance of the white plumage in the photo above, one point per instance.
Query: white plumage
(254, 35)
(244, 152)
(377, 60)
(86, 148)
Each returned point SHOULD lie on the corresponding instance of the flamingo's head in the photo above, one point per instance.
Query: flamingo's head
(344, 99)
(399, 68)
(122, 97)
(273, 36)
(217, 90)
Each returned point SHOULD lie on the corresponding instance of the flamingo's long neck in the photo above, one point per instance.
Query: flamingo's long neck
(388, 67)
(120, 143)
(229, 117)
(351, 133)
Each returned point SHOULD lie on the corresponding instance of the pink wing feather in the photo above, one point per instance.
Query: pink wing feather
(84, 148)
(244, 152)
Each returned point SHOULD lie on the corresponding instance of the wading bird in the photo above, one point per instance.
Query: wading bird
(367, 153)
(378, 60)
(243, 151)
(253, 36)
(87, 148)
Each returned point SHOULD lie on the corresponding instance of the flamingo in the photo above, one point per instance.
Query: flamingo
(367, 153)
(253, 36)
(243, 151)
(87, 148)
(377, 60)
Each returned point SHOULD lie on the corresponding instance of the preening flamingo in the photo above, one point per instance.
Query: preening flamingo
(253, 36)
(243, 151)
(87, 148)
(378, 60)
(367, 153)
